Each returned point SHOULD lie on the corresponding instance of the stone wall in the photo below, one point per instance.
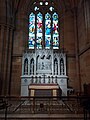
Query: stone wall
(84, 41)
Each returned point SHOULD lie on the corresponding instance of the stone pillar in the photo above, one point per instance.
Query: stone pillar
(6, 37)
(64, 64)
(77, 51)
(87, 19)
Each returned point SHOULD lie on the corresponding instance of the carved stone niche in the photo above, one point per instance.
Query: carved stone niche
(43, 67)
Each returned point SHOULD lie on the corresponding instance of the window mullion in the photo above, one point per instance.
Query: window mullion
(35, 31)
(51, 32)
(43, 31)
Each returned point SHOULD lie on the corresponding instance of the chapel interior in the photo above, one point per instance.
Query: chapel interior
(44, 59)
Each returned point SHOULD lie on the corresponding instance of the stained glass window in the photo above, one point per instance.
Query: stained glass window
(31, 31)
(55, 31)
(47, 30)
(43, 28)
(39, 31)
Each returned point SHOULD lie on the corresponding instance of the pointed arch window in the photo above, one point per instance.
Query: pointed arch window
(55, 31)
(31, 31)
(43, 27)
(47, 30)
(39, 33)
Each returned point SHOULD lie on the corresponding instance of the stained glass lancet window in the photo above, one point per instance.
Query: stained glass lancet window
(31, 30)
(47, 30)
(43, 28)
(55, 31)
(39, 31)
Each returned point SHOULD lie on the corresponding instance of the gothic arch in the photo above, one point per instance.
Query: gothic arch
(55, 66)
(37, 63)
(32, 66)
(26, 66)
(62, 66)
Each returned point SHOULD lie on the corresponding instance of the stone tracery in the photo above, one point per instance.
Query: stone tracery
(45, 67)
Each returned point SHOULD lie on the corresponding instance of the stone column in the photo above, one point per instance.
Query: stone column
(6, 37)
(77, 51)
(86, 13)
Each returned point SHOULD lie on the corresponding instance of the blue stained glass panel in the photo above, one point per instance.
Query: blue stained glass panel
(47, 31)
(31, 42)
(31, 31)
(39, 30)
(55, 31)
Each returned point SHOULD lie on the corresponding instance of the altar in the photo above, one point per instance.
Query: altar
(44, 90)
(45, 68)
